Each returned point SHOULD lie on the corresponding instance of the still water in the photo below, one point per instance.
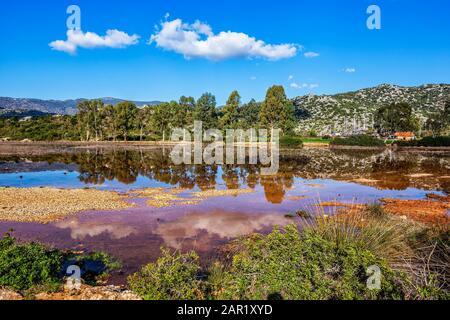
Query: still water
(306, 177)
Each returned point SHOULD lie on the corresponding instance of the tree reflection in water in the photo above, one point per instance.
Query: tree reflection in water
(386, 170)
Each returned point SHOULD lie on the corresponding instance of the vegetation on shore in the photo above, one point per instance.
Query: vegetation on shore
(330, 258)
(97, 121)
(439, 141)
(32, 267)
(358, 140)
(291, 142)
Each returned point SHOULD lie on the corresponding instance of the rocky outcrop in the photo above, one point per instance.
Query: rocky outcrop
(353, 112)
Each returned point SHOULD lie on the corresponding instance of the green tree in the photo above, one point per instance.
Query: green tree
(277, 112)
(230, 116)
(249, 114)
(161, 119)
(187, 104)
(435, 125)
(395, 117)
(446, 114)
(142, 121)
(178, 115)
(125, 113)
(438, 122)
(89, 120)
(205, 111)
(107, 114)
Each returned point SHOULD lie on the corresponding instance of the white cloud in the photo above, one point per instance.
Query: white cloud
(350, 70)
(304, 85)
(311, 54)
(253, 78)
(290, 77)
(89, 40)
(197, 40)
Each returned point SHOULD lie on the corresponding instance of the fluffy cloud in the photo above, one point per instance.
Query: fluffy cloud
(311, 54)
(89, 40)
(197, 40)
(350, 70)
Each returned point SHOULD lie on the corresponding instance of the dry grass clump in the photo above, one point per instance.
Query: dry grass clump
(419, 250)
(44, 205)
(370, 227)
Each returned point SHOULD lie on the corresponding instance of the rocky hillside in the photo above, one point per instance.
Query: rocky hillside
(63, 107)
(353, 111)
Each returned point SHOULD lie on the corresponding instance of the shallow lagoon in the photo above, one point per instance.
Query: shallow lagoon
(306, 177)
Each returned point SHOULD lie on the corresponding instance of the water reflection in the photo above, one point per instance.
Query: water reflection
(202, 228)
(80, 230)
(386, 170)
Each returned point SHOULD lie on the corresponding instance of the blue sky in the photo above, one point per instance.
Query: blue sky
(412, 48)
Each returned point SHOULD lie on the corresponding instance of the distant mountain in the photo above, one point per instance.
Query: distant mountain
(63, 107)
(353, 111)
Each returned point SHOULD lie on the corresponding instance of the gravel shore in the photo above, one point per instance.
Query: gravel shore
(45, 205)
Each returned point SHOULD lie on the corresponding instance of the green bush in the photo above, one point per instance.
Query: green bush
(293, 265)
(31, 265)
(358, 140)
(174, 276)
(443, 141)
(95, 267)
(328, 259)
(23, 266)
(291, 142)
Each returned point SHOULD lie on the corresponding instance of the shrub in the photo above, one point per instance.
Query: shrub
(23, 266)
(95, 267)
(30, 266)
(328, 259)
(291, 141)
(370, 229)
(293, 265)
(358, 140)
(174, 276)
(427, 142)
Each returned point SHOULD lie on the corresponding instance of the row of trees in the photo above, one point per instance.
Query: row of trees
(400, 117)
(97, 121)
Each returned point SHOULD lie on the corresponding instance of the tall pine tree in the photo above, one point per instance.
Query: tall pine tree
(205, 111)
(277, 112)
(230, 118)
